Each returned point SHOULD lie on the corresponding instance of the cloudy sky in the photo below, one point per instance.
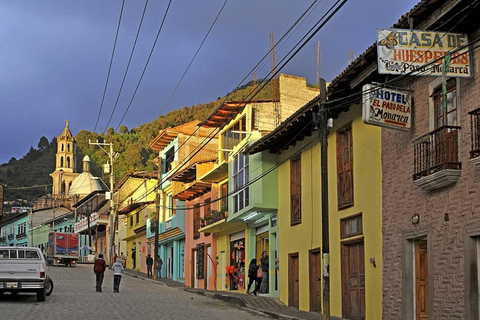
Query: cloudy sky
(55, 56)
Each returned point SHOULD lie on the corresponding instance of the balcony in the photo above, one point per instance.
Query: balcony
(475, 136)
(3, 239)
(95, 219)
(21, 236)
(11, 236)
(436, 162)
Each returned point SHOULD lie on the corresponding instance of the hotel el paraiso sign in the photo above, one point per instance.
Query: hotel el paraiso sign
(422, 53)
(386, 107)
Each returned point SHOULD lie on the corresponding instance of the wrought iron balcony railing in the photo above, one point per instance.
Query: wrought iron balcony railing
(475, 135)
(436, 151)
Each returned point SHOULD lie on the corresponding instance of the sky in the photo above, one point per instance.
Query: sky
(55, 57)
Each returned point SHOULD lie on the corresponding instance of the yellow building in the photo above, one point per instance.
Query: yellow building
(135, 197)
(355, 211)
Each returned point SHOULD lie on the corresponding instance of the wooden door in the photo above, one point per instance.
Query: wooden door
(315, 266)
(293, 283)
(353, 281)
(421, 280)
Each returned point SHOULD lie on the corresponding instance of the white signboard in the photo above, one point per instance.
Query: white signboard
(413, 52)
(386, 107)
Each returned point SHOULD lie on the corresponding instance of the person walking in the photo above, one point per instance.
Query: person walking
(158, 265)
(264, 265)
(124, 259)
(133, 257)
(253, 277)
(99, 268)
(149, 266)
(117, 268)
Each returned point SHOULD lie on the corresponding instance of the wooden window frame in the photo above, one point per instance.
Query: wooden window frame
(345, 192)
(344, 221)
(439, 110)
(296, 190)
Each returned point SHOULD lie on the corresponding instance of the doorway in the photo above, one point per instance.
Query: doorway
(353, 280)
(421, 280)
(315, 280)
(293, 281)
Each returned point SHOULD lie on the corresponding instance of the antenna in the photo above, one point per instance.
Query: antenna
(275, 84)
(351, 56)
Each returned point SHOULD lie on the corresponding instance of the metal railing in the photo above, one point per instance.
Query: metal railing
(475, 133)
(435, 151)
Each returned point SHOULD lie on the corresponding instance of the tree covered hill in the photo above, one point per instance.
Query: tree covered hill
(29, 177)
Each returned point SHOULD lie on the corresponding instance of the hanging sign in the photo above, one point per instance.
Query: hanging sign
(386, 107)
(421, 53)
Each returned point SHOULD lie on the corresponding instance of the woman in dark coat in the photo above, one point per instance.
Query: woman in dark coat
(252, 277)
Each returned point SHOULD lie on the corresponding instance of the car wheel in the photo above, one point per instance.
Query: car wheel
(41, 295)
(49, 287)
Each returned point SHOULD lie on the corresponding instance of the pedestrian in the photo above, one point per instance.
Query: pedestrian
(133, 257)
(99, 268)
(117, 274)
(264, 265)
(158, 265)
(124, 259)
(252, 277)
(149, 265)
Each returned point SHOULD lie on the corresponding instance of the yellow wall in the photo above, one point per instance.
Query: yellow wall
(367, 180)
(306, 235)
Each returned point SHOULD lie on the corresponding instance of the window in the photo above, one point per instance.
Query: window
(351, 226)
(137, 218)
(196, 221)
(12, 230)
(445, 113)
(22, 228)
(131, 220)
(233, 135)
(169, 157)
(224, 195)
(171, 202)
(240, 182)
(345, 167)
(295, 190)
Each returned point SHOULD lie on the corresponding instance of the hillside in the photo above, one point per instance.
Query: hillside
(28, 178)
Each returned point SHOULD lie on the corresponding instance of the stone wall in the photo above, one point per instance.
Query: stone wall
(401, 199)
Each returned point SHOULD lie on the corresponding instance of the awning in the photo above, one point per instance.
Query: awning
(134, 206)
(195, 190)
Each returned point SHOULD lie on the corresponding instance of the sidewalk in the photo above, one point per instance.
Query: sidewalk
(260, 303)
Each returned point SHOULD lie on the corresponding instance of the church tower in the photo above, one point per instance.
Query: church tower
(65, 163)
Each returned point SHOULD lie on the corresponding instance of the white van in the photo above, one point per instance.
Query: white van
(23, 269)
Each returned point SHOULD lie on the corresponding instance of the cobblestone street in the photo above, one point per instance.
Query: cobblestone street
(74, 297)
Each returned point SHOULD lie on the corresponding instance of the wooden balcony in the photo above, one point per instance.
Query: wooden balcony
(475, 136)
(436, 160)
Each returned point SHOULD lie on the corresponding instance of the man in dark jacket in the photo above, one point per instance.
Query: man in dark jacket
(99, 268)
(149, 265)
(134, 257)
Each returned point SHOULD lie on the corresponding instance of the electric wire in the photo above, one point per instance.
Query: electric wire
(128, 65)
(146, 64)
(110, 66)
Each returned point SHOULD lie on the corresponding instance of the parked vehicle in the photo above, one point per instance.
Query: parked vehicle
(62, 249)
(23, 269)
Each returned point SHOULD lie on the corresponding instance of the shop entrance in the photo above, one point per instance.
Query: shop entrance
(236, 269)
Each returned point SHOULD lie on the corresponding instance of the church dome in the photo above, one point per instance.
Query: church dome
(85, 184)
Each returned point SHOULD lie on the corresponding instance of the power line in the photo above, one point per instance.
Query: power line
(110, 66)
(146, 64)
(194, 56)
(128, 65)
(328, 15)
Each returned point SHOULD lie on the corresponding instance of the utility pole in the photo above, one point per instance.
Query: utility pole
(157, 214)
(324, 128)
(109, 166)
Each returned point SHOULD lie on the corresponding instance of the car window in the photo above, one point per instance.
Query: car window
(21, 254)
(3, 254)
(13, 254)
(32, 254)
